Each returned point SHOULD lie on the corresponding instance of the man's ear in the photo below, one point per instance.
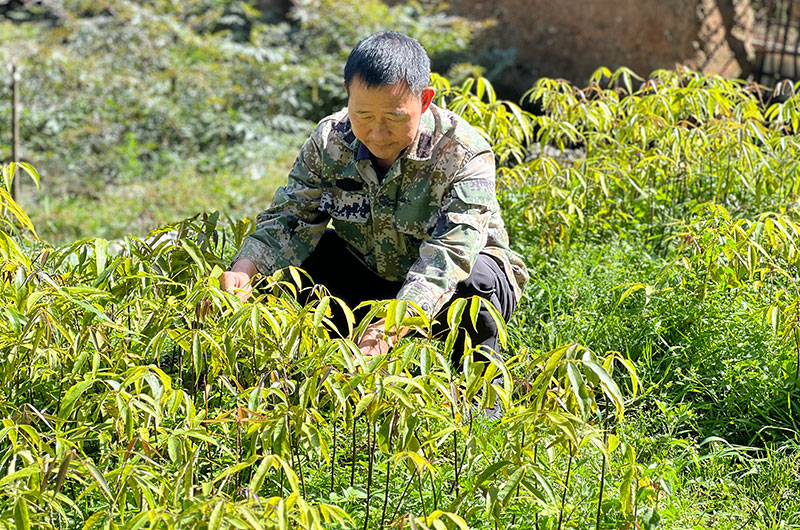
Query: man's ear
(427, 97)
(347, 90)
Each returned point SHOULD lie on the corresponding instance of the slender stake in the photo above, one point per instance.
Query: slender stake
(386, 491)
(298, 464)
(797, 347)
(402, 496)
(455, 444)
(353, 459)
(14, 127)
(421, 498)
(466, 443)
(566, 488)
(255, 365)
(600, 497)
(435, 495)
(535, 460)
(455, 460)
(388, 469)
(602, 469)
(333, 460)
(60, 388)
(238, 435)
(522, 448)
(174, 351)
(206, 389)
(369, 473)
(728, 175)
(785, 37)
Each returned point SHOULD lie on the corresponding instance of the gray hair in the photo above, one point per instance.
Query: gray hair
(388, 58)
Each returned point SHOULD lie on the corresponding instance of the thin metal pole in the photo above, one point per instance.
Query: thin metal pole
(14, 129)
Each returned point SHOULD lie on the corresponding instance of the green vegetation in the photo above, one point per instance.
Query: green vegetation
(138, 102)
(140, 394)
(651, 370)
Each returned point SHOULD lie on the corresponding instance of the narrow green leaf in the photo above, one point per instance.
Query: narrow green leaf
(215, 521)
(22, 473)
(32, 173)
(579, 389)
(363, 403)
(474, 308)
(455, 312)
(609, 386)
(401, 394)
(174, 449)
(197, 356)
(502, 332)
(22, 519)
(507, 493)
(72, 395)
(100, 480)
(261, 473)
(94, 519)
(321, 310)
(195, 253)
(100, 254)
(490, 472)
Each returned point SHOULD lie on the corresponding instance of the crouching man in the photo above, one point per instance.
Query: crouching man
(410, 191)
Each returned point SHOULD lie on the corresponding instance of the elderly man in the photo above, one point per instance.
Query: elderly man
(410, 191)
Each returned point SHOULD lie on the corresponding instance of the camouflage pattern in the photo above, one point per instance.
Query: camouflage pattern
(424, 223)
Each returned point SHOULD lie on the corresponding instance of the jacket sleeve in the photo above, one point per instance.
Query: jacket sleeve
(289, 230)
(448, 255)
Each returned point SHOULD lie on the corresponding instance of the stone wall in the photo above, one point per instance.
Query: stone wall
(725, 37)
(572, 38)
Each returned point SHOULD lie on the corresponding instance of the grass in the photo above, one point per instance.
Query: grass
(622, 261)
(137, 206)
(713, 428)
(716, 420)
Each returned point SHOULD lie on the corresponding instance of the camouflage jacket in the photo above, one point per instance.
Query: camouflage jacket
(423, 224)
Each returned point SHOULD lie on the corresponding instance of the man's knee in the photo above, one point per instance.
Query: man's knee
(488, 280)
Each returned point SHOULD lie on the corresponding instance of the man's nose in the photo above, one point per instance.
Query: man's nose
(381, 130)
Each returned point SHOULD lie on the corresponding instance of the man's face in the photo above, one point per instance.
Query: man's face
(386, 119)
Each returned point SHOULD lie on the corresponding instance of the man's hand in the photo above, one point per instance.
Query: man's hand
(237, 280)
(375, 341)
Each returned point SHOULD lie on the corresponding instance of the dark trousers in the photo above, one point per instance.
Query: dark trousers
(333, 265)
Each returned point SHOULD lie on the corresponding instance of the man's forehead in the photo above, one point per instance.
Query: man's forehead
(399, 89)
